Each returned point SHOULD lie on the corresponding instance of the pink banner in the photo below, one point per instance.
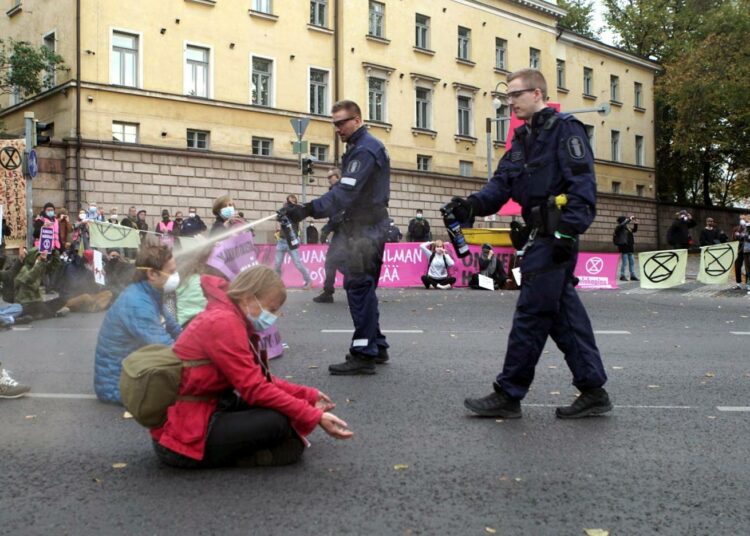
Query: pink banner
(596, 271)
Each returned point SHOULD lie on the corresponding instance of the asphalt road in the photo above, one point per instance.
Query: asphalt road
(670, 459)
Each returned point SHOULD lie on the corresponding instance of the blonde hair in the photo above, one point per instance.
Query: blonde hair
(258, 281)
(221, 202)
(532, 78)
(439, 243)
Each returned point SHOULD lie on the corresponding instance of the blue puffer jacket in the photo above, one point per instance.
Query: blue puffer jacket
(133, 321)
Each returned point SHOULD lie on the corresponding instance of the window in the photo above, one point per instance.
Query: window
(318, 92)
(640, 190)
(464, 43)
(464, 116)
(535, 58)
(264, 6)
(124, 132)
(560, 73)
(15, 96)
(638, 95)
(197, 139)
(319, 12)
(615, 145)
(319, 152)
(422, 39)
(376, 98)
(424, 162)
(50, 44)
(261, 86)
(616, 187)
(123, 68)
(465, 168)
(377, 19)
(501, 54)
(196, 71)
(590, 136)
(262, 146)
(503, 122)
(588, 81)
(424, 108)
(639, 160)
(614, 88)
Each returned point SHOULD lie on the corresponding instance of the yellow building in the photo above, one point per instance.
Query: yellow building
(183, 79)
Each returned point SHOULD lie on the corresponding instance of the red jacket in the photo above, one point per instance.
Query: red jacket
(221, 334)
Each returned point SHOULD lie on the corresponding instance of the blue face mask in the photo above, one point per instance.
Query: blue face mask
(50, 213)
(265, 320)
(227, 212)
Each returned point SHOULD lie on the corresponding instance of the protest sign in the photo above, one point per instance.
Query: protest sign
(716, 263)
(108, 235)
(663, 269)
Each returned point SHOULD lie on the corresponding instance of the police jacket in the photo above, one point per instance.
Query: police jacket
(550, 155)
(365, 185)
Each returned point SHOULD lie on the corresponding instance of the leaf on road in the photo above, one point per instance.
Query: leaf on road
(400, 467)
(312, 366)
(288, 377)
(119, 465)
(554, 392)
(453, 335)
(490, 530)
(127, 415)
(654, 386)
(712, 416)
(499, 420)
(96, 480)
(617, 368)
(710, 374)
(30, 417)
(552, 366)
(596, 532)
(517, 479)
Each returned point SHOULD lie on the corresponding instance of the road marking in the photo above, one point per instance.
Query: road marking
(610, 332)
(734, 408)
(383, 331)
(740, 332)
(72, 396)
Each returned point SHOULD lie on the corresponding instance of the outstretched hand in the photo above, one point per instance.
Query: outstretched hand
(324, 402)
(335, 427)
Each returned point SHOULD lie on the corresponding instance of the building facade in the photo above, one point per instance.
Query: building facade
(173, 103)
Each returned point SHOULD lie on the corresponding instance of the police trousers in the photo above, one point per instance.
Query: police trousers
(549, 306)
(335, 260)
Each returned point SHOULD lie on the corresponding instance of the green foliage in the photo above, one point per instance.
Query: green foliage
(578, 18)
(22, 67)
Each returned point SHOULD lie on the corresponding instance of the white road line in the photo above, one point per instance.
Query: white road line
(610, 332)
(740, 332)
(384, 331)
(72, 396)
(734, 408)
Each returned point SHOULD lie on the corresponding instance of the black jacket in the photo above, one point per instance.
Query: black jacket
(623, 237)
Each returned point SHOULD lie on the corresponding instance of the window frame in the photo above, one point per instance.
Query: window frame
(327, 97)
(198, 132)
(463, 40)
(638, 95)
(272, 80)
(464, 163)
(374, 21)
(423, 29)
(469, 115)
(257, 4)
(317, 147)
(424, 158)
(615, 148)
(138, 56)
(560, 73)
(316, 6)
(501, 136)
(616, 187)
(588, 81)
(427, 111)
(261, 143)
(126, 124)
(614, 88)
(535, 54)
(501, 45)
(591, 135)
(50, 76)
(384, 100)
(640, 152)
(209, 70)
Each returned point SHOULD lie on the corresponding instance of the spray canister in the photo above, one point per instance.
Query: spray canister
(454, 232)
(287, 230)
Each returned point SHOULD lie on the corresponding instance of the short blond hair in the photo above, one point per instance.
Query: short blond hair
(221, 202)
(258, 281)
(532, 78)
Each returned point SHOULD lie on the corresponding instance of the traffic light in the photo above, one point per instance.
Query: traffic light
(42, 133)
(307, 166)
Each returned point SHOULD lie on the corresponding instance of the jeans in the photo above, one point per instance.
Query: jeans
(630, 259)
(282, 248)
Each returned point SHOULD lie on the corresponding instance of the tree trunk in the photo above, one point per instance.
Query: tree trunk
(706, 167)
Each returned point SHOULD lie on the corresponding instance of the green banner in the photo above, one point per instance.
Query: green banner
(717, 263)
(109, 235)
(663, 269)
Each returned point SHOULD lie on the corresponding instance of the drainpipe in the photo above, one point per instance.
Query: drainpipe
(78, 104)
(336, 97)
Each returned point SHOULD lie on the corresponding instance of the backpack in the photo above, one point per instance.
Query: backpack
(150, 380)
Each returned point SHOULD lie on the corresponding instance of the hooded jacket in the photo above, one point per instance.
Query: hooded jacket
(222, 334)
(28, 283)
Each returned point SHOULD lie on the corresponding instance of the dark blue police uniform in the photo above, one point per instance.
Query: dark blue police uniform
(362, 193)
(336, 253)
(549, 156)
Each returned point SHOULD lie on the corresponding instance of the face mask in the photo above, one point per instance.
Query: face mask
(92, 210)
(743, 222)
(419, 216)
(191, 214)
(227, 212)
(113, 217)
(50, 213)
(82, 216)
(173, 281)
(264, 321)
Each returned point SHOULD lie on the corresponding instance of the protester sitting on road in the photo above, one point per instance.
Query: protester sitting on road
(118, 273)
(79, 288)
(255, 418)
(625, 241)
(193, 225)
(711, 234)
(419, 228)
(134, 320)
(440, 261)
(489, 266)
(678, 235)
(741, 234)
(48, 218)
(28, 287)
(226, 215)
(11, 268)
(10, 388)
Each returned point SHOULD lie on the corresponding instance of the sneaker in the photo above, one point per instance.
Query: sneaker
(634, 278)
(10, 388)
(324, 297)
(354, 365)
(589, 403)
(623, 278)
(62, 312)
(443, 287)
(495, 404)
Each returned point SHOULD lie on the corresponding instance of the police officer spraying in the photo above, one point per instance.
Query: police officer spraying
(362, 193)
(549, 171)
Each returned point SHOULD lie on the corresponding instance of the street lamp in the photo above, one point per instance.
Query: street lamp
(498, 100)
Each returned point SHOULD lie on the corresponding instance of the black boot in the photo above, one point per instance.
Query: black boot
(354, 365)
(382, 357)
(496, 404)
(324, 297)
(590, 402)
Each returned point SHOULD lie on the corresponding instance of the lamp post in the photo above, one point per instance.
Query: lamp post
(498, 100)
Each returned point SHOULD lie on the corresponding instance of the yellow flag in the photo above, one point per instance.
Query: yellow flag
(663, 269)
(717, 262)
(109, 235)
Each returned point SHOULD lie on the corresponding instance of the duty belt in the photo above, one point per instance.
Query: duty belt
(367, 217)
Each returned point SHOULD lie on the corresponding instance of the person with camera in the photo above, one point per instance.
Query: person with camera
(678, 235)
(439, 262)
(625, 241)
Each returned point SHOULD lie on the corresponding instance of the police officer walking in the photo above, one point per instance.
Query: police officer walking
(550, 156)
(362, 193)
(336, 253)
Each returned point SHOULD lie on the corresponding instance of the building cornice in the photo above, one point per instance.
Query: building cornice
(494, 10)
(566, 36)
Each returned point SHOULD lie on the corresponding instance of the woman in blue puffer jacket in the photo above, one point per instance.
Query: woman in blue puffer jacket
(135, 319)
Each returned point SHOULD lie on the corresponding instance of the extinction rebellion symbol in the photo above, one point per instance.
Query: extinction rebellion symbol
(594, 265)
(718, 260)
(660, 266)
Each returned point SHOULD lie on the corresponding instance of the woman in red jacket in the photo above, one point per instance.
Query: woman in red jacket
(210, 425)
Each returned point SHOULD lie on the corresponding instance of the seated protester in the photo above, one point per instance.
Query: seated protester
(28, 287)
(8, 275)
(489, 266)
(134, 320)
(118, 273)
(255, 418)
(437, 269)
(80, 289)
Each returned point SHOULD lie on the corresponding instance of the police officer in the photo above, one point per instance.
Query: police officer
(336, 254)
(362, 193)
(550, 156)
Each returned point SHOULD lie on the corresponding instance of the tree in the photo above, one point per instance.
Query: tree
(22, 65)
(578, 18)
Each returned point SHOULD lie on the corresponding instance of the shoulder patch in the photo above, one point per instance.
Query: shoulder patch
(576, 148)
(516, 156)
(354, 166)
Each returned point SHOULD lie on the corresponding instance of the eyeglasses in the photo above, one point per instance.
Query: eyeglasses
(341, 122)
(518, 93)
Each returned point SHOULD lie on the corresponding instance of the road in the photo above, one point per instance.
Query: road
(670, 459)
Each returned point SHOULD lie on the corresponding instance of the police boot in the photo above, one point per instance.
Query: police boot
(591, 402)
(324, 297)
(354, 365)
(496, 404)
(381, 358)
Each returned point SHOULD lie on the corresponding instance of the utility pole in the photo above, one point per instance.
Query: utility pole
(29, 130)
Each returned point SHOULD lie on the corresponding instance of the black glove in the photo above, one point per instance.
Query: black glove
(296, 213)
(562, 248)
(461, 208)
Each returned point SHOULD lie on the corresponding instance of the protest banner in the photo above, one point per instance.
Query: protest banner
(232, 255)
(108, 235)
(99, 268)
(13, 188)
(597, 271)
(716, 263)
(662, 269)
(46, 236)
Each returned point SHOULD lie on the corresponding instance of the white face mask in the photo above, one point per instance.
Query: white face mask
(113, 216)
(191, 214)
(173, 281)
(82, 216)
